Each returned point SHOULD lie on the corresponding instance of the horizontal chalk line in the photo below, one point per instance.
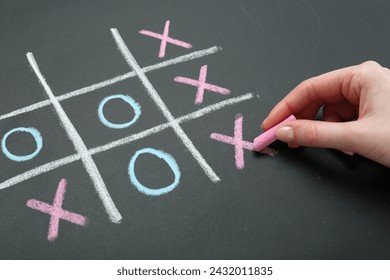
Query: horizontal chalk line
(126, 140)
(39, 170)
(91, 88)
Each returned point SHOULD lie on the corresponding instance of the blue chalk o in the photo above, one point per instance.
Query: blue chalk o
(37, 137)
(136, 107)
(164, 156)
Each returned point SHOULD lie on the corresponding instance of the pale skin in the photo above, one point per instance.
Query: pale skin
(356, 112)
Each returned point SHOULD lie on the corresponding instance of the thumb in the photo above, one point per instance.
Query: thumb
(336, 135)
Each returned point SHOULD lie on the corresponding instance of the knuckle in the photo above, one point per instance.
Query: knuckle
(309, 86)
(311, 135)
(370, 64)
(364, 74)
(369, 68)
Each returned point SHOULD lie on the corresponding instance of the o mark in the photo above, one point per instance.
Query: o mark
(37, 137)
(162, 155)
(136, 107)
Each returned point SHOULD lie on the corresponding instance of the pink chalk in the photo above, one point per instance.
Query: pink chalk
(268, 137)
(238, 142)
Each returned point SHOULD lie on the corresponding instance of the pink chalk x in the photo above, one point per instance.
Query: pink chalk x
(202, 85)
(56, 212)
(238, 142)
(268, 137)
(165, 39)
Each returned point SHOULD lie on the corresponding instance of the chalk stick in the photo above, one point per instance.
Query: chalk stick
(266, 138)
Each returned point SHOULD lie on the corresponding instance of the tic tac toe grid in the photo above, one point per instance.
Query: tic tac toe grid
(85, 154)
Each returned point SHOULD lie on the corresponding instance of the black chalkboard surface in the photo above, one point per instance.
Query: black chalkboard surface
(126, 131)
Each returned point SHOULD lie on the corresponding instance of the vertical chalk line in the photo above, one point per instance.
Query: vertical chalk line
(91, 88)
(164, 38)
(239, 145)
(56, 210)
(123, 141)
(201, 84)
(79, 145)
(161, 105)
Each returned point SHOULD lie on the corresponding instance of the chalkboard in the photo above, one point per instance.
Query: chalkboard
(126, 131)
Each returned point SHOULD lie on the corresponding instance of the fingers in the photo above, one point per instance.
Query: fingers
(312, 93)
(354, 102)
(340, 86)
(339, 112)
(341, 136)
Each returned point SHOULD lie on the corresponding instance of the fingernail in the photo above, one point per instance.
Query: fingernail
(348, 153)
(285, 134)
(262, 124)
